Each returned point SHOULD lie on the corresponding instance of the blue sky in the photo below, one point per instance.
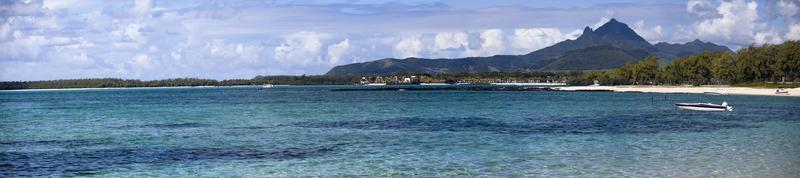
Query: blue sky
(155, 39)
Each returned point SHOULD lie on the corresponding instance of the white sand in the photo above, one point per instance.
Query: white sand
(725, 90)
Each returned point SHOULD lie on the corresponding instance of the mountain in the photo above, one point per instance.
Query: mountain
(610, 46)
(690, 48)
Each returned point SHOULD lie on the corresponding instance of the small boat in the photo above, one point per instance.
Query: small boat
(705, 106)
(267, 86)
(781, 91)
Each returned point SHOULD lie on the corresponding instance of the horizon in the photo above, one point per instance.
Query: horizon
(154, 40)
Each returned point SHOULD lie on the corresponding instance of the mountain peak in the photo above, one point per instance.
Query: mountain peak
(606, 47)
(614, 29)
(587, 30)
(696, 41)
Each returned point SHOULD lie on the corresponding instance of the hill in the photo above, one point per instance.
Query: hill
(610, 46)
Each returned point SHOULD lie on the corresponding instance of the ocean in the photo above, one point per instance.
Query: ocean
(290, 131)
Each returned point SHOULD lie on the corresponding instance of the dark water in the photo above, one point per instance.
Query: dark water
(313, 131)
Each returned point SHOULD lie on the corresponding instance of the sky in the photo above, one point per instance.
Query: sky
(240, 39)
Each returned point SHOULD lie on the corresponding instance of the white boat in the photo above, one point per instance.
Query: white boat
(530, 84)
(781, 91)
(433, 84)
(267, 86)
(705, 106)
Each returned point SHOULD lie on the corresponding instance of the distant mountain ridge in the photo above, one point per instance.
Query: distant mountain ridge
(610, 46)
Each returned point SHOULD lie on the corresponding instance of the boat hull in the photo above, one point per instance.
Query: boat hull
(703, 107)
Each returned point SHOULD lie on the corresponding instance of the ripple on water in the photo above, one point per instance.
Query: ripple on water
(166, 126)
(72, 142)
(83, 162)
(616, 124)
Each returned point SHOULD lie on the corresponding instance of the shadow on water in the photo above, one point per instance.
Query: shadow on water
(165, 126)
(88, 162)
(616, 124)
(67, 143)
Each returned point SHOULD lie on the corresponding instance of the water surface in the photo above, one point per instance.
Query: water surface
(313, 131)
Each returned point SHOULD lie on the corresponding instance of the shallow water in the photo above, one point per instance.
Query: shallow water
(313, 131)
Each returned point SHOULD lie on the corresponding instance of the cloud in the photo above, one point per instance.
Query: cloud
(530, 39)
(142, 7)
(60, 4)
(301, 48)
(652, 34)
(233, 39)
(767, 37)
(408, 47)
(701, 8)
(337, 51)
(738, 24)
(492, 43)
(601, 22)
(447, 40)
(794, 32)
(787, 8)
(142, 61)
(789, 11)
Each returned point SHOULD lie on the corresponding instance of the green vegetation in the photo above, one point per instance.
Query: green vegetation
(767, 66)
(497, 77)
(121, 83)
(767, 85)
(758, 66)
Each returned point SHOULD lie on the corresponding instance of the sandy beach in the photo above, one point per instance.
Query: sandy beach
(725, 90)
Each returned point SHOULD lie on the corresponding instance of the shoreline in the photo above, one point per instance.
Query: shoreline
(723, 90)
(117, 88)
(675, 89)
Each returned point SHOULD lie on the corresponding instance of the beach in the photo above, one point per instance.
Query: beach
(724, 90)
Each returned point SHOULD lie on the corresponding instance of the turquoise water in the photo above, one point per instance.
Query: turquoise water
(313, 131)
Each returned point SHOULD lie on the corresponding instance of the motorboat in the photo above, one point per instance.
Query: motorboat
(705, 106)
(267, 86)
(781, 91)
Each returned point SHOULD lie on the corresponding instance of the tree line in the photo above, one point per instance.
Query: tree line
(124, 83)
(753, 64)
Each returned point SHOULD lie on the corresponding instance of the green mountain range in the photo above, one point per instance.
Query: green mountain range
(610, 46)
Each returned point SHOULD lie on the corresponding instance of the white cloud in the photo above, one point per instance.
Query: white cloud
(770, 37)
(141, 7)
(700, 7)
(603, 20)
(447, 40)
(337, 51)
(408, 47)
(738, 24)
(60, 4)
(142, 61)
(301, 48)
(29, 47)
(530, 39)
(226, 39)
(491, 43)
(794, 32)
(787, 8)
(651, 34)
